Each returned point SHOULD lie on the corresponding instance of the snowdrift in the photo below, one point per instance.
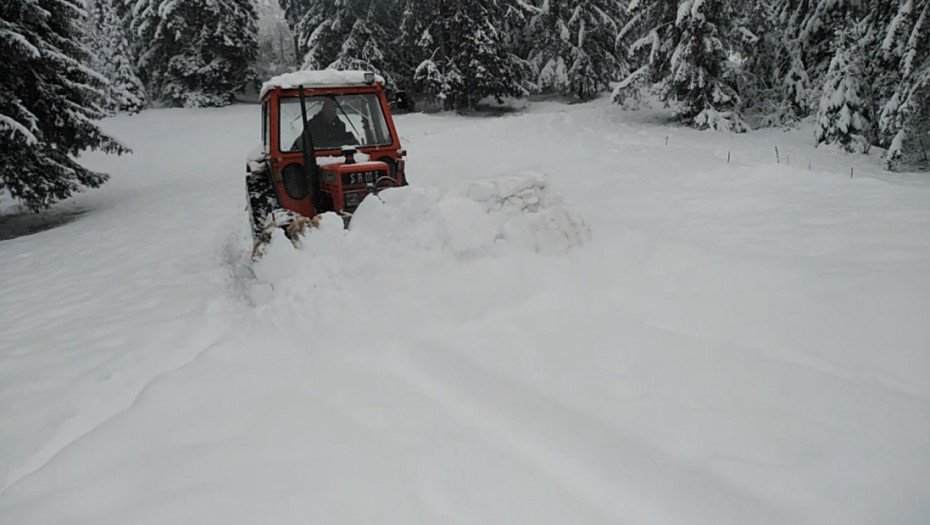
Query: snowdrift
(517, 212)
(486, 218)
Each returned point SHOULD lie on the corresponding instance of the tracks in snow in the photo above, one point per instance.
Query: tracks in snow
(620, 476)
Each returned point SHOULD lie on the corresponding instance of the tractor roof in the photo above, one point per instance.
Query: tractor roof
(318, 79)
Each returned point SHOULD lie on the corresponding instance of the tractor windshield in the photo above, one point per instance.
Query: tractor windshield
(334, 121)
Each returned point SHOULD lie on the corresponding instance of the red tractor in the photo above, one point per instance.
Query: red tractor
(314, 125)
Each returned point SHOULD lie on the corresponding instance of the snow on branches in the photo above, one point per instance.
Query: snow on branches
(47, 104)
(843, 117)
(195, 52)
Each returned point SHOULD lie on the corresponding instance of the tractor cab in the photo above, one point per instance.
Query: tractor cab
(328, 140)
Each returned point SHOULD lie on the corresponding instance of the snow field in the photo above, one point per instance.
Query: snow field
(666, 338)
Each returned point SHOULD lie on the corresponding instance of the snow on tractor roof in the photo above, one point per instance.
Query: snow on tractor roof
(321, 78)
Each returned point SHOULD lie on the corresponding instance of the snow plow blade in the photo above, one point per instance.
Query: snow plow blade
(295, 227)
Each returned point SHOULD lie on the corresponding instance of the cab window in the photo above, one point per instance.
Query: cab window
(334, 121)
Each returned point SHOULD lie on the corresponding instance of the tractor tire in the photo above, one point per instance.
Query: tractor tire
(261, 200)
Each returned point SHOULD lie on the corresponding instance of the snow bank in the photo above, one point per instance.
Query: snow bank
(491, 216)
(419, 227)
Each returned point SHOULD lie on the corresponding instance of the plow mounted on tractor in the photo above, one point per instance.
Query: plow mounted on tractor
(328, 141)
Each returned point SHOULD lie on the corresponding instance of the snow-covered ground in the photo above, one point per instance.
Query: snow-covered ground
(726, 339)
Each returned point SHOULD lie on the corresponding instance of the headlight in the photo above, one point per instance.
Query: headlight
(353, 199)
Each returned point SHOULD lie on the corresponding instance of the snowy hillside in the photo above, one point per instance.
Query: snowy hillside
(685, 330)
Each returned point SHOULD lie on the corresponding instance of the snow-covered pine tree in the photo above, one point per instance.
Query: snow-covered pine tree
(807, 28)
(575, 51)
(346, 34)
(684, 48)
(904, 123)
(844, 117)
(764, 56)
(550, 51)
(649, 37)
(110, 55)
(701, 77)
(367, 46)
(46, 109)
(463, 55)
(195, 52)
(321, 26)
(513, 26)
(796, 90)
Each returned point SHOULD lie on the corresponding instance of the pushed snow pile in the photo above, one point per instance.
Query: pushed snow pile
(486, 217)
(282, 260)
(412, 226)
(528, 213)
(401, 237)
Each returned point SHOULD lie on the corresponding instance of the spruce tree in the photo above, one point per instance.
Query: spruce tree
(46, 103)
(904, 123)
(844, 117)
(807, 28)
(649, 37)
(550, 51)
(575, 46)
(701, 77)
(346, 34)
(195, 52)
(683, 48)
(771, 79)
(513, 25)
(320, 26)
(462, 53)
(367, 44)
(110, 55)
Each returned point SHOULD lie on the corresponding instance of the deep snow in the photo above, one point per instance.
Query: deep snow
(725, 339)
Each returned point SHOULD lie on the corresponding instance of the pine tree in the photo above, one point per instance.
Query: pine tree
(770, 79)
(321, 26)
(463, 55)
(904, 123)
(367, 44)
(701, 77)
(46, 109)
(109, 55)
(513, 25)
(807, 28)
(649, 37)
(684, 49)
(550, 50)
(575, 46)
(195, 52)
(346, 34)
(844, 117)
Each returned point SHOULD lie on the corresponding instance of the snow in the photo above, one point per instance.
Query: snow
(574, 314)
(21, 42)
(712, 119)
(317, 79)
(14, 127)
